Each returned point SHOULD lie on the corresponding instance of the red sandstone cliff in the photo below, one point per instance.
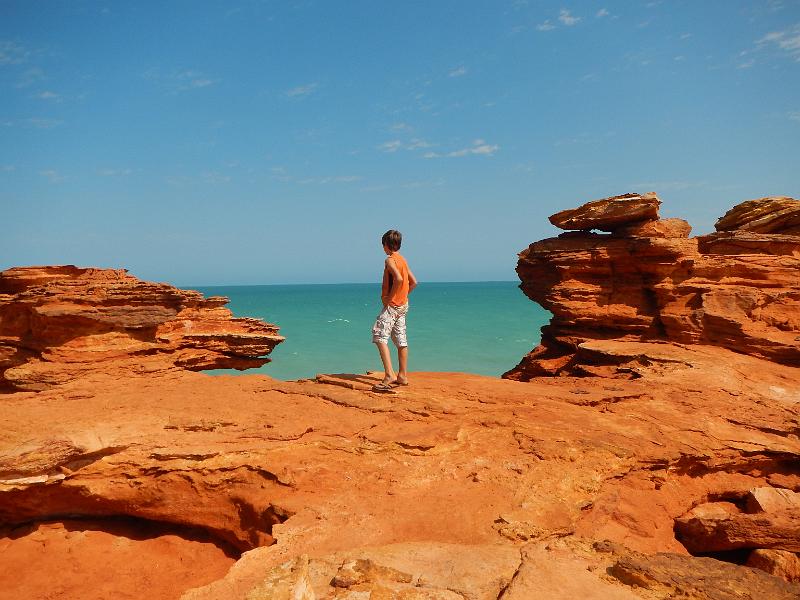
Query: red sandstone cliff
(647, 281)
(59, 323)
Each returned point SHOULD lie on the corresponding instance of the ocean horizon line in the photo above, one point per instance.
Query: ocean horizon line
(375, 283)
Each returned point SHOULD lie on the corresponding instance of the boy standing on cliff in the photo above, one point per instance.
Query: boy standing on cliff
(398, 282)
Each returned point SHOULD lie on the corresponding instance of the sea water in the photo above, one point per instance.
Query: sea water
(476, 327)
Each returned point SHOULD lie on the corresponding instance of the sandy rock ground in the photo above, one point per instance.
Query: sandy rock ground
(457, 486)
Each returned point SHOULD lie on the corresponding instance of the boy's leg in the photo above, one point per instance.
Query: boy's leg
(400, 340)
(380, 337)
(386, 359)
(402, 358)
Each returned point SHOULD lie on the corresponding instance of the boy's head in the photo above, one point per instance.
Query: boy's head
(392, 240)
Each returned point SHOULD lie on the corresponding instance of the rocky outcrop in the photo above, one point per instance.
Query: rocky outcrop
(609, 213)
(456, 487)
(59, 323)
(775, 214)
(646, 281)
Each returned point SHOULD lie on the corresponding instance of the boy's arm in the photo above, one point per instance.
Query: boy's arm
(412, 281)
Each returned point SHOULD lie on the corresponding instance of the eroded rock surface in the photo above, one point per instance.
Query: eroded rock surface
(738, 288)
(475, 472)
(59, 323)
(458, 487)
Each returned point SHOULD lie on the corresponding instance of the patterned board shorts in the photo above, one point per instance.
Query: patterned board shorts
(391, 323)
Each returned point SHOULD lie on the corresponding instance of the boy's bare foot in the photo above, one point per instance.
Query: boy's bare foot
(398, 381)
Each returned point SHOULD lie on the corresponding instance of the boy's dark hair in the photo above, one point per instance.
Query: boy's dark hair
(392, 239)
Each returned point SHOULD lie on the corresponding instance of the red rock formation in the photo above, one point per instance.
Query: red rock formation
(647, 282)
(455, 487)
(57, 323)
(776, 214)
(609, 213)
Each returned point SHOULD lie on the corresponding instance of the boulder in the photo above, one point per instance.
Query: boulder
(773, 214)
(771, 500)
(675, 576)
(778, 531)
(780, 563)
(609, 214)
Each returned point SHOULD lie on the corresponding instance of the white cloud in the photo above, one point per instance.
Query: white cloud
(458, 72)
(546, 26)
(283, 175)
(114, 172)
(479, 147)
(180, 81)
(333, 179)
(193, 79)
(602, 13)
(29, 77)
(746, 64)
(374, 188)
(400, 127)
(8, 168)
(670, 186)
(392, 146)
(48, 95)
(52, 175)
(417, 143)
(567, 19)
(12, 53)
(302, 90)
(787, 41)
(395, 145)
(215, 177)
(40, 123)
(414, 185)
(795, 116)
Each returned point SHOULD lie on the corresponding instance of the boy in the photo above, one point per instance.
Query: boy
(398, 282)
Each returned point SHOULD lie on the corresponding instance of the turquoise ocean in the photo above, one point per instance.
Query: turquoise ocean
(476, 327)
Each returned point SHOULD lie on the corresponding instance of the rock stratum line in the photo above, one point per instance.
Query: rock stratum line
(662, 461)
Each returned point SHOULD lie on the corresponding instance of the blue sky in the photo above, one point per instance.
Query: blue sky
(207, 143)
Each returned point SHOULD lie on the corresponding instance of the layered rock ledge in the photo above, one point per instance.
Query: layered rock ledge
(58, 323)
(647, 281)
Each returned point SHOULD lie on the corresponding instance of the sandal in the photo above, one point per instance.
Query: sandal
(382, 387)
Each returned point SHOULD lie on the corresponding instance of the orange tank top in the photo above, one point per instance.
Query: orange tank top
(400, 296)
